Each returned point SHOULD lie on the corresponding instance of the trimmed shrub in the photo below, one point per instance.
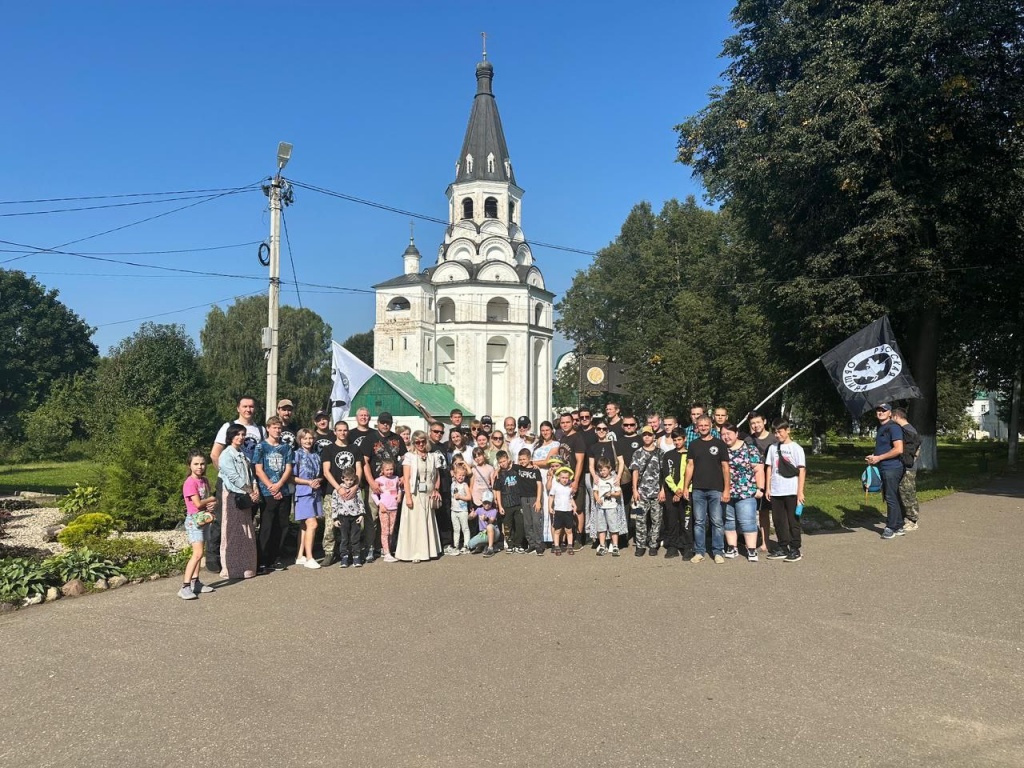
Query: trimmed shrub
(91, 525)
(144, 474)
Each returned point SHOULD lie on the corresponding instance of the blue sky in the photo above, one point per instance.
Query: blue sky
(107, 98)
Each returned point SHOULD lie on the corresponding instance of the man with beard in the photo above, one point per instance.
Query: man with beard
(254, 433)
(336, 458)
(285, 411)
(382, 445)
(522, 439)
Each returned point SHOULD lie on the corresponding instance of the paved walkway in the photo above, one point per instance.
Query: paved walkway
(906, 653)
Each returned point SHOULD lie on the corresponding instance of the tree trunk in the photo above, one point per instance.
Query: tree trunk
(924, 412)
(1011, 453)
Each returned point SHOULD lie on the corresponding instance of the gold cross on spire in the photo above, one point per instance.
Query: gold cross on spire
(484, 36)
(412, 229)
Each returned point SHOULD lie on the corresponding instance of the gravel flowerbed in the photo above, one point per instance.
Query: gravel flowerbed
(27, 526)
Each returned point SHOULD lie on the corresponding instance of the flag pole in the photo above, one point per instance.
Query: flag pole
(785, 384)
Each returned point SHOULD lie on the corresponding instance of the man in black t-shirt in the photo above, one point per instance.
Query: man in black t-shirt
(762, 439)
(707, 468)
(436, 446)
(627, 445)
(573, 453)
(322, 435)
(335, 458)
(285, 411)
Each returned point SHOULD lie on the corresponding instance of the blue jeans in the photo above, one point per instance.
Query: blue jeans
(705, 504)
(891, 491)
(743, 511)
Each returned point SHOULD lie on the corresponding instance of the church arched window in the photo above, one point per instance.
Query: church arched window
(445, 311)
(469, 163)
(511, 212)
(497, 311)
(490, 163)
(491, 208)
(398, 304)
(467, 208)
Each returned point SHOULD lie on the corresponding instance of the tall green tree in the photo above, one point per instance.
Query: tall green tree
(671, 301)
(157, 369)
(862, 147)
(41, 341)
(234, 363)
(361, 345)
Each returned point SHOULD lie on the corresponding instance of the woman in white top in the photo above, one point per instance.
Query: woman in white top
(418, 538)
(544, 454)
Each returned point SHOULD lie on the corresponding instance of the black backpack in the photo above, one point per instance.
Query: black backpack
(911, 444)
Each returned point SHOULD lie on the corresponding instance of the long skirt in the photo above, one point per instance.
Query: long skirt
(546, 507)
(597, 518)
(418, 538)
(237, 539)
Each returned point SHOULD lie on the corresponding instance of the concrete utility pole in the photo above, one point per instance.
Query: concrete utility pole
(278, 191)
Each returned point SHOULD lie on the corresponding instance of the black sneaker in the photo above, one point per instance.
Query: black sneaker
(731, 552)
(793, 556)
(653, 551)
(671, 552)
(778, 554)
(540, 550)
(639, 552)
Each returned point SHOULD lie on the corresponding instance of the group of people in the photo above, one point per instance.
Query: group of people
(706, 490)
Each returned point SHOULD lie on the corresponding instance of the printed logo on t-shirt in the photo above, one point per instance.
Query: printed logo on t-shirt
(713, 450)
(344, 460)
(275, 461)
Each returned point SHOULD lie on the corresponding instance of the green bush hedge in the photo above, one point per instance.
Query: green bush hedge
(91, 525)
(123, 551)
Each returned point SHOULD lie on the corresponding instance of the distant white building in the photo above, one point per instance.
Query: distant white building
(984, 411)
(480, 319)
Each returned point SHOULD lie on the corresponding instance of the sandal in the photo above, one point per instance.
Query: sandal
(558, 551)
(571, 551)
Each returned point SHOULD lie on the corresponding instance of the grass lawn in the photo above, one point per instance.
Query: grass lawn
(834, 493)
(48, 476)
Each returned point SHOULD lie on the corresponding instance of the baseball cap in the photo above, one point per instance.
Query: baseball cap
(486, 496)
(283, 403)
(486, 420)
(321, 415)
(883, 407)
(385, 418)
(647, 430)
(524, 421)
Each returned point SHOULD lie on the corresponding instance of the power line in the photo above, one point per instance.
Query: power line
(288, 240)
(152, 253)
(100, 207)
(111, 197)
(423, 216)
(178, 311)
(210, 198)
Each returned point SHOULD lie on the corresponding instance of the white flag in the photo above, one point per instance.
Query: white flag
(349, 373)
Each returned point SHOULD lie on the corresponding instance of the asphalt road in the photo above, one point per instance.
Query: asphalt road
(906, 653)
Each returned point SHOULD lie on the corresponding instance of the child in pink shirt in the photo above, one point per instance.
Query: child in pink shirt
(387, 504)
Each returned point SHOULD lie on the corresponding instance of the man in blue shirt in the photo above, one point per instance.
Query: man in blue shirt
(888, 458)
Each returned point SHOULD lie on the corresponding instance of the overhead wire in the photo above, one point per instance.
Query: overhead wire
(100, 207)
(112, 197)
(288, 241)
(210, 198)
(178, 311)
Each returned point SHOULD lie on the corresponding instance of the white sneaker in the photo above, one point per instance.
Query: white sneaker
(311, 564)
(464, 551)
(454, 552)
(186, 593)
(389, 558)
(300, 561)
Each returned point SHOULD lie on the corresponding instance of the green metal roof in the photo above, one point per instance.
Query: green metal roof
(395, 391)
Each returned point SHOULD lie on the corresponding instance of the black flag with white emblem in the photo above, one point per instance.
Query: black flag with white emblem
(868, 369)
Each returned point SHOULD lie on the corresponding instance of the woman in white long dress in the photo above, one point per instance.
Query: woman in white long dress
(544, 453)
(418, 538)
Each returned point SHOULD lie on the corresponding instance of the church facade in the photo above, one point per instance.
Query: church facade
(480, 319)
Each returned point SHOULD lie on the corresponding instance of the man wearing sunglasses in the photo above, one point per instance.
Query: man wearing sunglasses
(436, 447)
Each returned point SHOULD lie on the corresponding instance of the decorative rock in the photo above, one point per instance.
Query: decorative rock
(100, 585)
(137, 580)
(7, 608)
(52, 594)
(73, 588)
(154, 576)
(50, 532)
(34, 600)
(116, 581)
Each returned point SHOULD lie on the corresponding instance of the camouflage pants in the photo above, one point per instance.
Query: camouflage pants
(329, 529)
(908, 495)
(646, 536)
